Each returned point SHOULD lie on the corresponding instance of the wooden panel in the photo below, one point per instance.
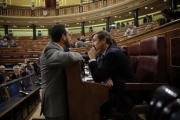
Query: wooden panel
(174, 52)
(3, 95)
(85, 98)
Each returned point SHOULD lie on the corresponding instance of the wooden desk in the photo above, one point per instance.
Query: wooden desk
(19, 106)
(85, 98)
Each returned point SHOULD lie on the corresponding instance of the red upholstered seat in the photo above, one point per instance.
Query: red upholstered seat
(35, 45)
(37, 50)
(151, 69)
(26, 56)
(21, 50)
(134, 55)
(35, 56)
(16, 57)
(30, 50)
(6, 51)
(6, 57)
(124, 47)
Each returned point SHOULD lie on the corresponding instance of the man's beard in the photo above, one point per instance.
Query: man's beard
(67, 44)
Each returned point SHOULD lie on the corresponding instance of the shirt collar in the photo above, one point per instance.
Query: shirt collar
(58, 45)
(105, 51)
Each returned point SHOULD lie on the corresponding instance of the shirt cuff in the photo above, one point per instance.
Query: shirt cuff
(92, 60)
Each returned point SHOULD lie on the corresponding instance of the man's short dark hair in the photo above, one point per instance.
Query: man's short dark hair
(78, 39)
(102, 35)
(57, 31)
(165, 10)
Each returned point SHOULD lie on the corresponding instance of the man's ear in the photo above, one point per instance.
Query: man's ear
(104, 40)
(63, 37)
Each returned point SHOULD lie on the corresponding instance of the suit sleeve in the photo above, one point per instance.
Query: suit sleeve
(1, 78)
(56, 57)
(110, 65)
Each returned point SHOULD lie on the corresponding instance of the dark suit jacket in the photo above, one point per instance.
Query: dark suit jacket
(116, 66)
(1, 77)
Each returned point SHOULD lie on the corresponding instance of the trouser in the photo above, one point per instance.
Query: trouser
(105, 111)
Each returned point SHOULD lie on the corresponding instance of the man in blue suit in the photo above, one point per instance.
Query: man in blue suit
(109, 64)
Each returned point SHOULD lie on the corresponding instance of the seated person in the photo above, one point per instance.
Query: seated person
(1, 42)
(82, 38)
(28, 65)
(24, 70)
(13, 44)
(122, 25)
(79, 43)
(16, 73)
(4, 43)
(149, 27)
(130, 31)
(127, 24)
(6, 36)
(159, 22)
(3, 78)
(112, 67)
(169, 14)
(72, 44)
(146, 19)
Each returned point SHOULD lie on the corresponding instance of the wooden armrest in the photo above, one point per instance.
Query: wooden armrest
(142, 86)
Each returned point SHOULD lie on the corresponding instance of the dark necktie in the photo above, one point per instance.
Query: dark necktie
(100, 60)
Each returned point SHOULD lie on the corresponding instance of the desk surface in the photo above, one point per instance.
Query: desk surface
(13, 102)
(10, 104)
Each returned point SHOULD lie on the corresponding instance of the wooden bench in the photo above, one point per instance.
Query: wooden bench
(15, 49)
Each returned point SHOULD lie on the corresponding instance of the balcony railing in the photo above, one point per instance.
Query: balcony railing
(67, 10)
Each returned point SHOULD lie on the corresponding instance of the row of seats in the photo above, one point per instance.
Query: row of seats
(18, 50)
(18, 98)
(19, 56)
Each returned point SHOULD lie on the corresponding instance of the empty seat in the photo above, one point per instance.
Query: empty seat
(16, 57)
(35, 56)
(21, 50)
(35, 45)
(30, 50)
(26, 56)
(6, 57)
(151, 70)
(6, 51)
(134, 55)
(37, 50)
(152, 62)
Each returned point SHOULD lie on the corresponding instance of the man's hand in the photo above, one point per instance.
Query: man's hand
(108, 82)
(6, 79)
(92, 53)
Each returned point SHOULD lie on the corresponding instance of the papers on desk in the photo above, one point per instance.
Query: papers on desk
(89, 78)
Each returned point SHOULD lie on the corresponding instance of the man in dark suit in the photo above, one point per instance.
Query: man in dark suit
(6, 37)
(147, 19)
(113, 68)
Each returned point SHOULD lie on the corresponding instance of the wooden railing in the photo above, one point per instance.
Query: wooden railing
(64, 10)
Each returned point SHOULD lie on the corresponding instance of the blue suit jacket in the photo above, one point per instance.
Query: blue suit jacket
(116, 65)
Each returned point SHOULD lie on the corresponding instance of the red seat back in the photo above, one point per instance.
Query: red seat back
(152, 66)
(134, 55)
(6, 57)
